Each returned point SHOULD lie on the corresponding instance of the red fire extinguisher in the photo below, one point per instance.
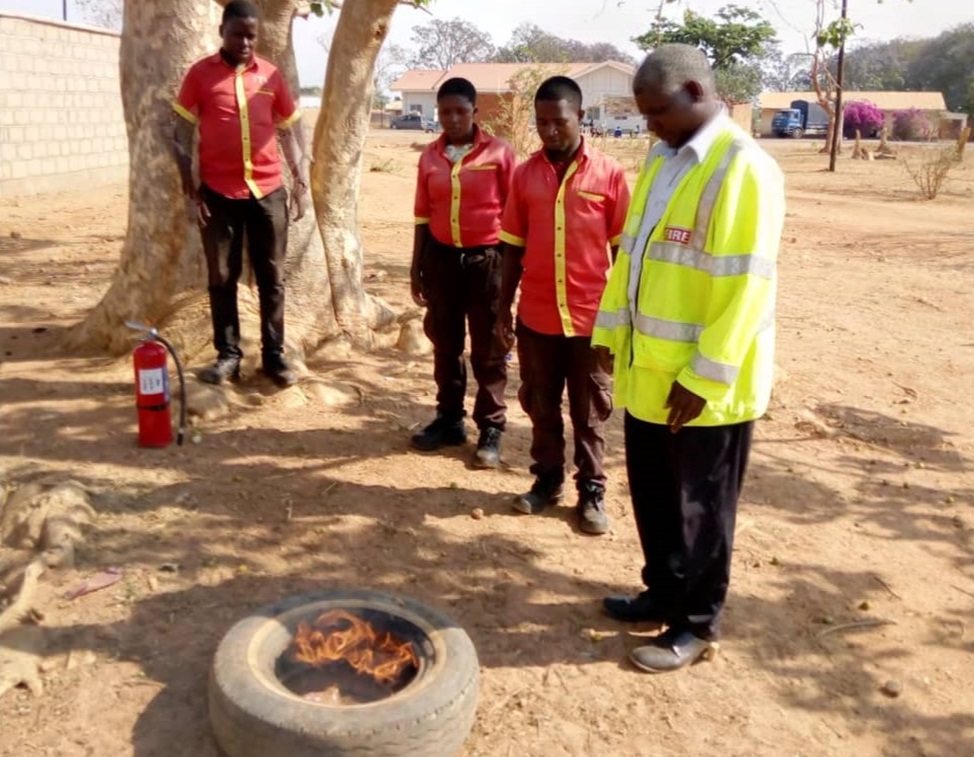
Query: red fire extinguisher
(152, 395)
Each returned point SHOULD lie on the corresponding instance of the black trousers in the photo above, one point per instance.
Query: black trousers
(264, 222)
(684, 489)
(462, 290)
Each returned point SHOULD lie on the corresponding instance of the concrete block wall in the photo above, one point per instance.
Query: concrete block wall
(61, 122)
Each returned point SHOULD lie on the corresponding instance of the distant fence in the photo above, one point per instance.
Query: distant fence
(61, 122)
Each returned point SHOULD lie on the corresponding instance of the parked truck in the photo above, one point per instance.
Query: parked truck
(803, 118)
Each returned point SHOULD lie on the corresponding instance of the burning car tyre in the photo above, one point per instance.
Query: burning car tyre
(254, 714)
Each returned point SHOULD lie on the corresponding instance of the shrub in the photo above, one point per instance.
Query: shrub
(862, 115)
(930, 172)
(911, 125)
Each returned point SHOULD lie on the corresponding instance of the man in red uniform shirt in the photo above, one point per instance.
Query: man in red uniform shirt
(461, 187)
(562, 223)
(240, 103)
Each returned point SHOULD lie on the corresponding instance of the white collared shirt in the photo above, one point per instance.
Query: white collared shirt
(676, 164)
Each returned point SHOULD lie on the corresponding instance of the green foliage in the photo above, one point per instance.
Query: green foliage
(938, 64)
(738, 82)
(530, 43)
(735, 36)
(836, 33)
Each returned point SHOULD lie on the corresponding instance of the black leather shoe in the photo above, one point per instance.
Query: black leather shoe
(440, 433)
(638, 609)
(544, 492)
(488, 453)
(278, 371)
(224, 369)
(672, 650)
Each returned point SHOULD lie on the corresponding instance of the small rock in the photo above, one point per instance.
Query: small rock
(6, 281)
(169, 567)
(15, 235)
(412, 339)
(864, 605)
(775, 561)
(477, 513)
(206, 401)
(892, 689)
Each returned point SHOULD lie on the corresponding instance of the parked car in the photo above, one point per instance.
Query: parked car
(414, 121)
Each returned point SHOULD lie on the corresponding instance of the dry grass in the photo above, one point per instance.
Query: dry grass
(931, 170)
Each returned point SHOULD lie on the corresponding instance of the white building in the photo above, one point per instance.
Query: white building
(603, 85)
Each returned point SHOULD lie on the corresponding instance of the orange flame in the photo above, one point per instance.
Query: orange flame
(339, 635)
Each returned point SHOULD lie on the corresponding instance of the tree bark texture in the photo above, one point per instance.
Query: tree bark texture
(336, 176)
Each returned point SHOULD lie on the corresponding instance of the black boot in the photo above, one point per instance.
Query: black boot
(277, 370)
(488, 453)
(440, 433)
(224, 369)
(592, 518)
(546, 490)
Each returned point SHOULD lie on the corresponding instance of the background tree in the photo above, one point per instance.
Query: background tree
(785, 73)
(104, 13)
(946, 64)
(529, 43)
(441, 44)
(735, 41)
(829, 37)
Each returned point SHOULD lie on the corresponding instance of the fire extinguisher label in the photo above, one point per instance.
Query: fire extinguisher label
(153, 381)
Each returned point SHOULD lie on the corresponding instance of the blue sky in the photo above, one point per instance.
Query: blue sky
(612, 21)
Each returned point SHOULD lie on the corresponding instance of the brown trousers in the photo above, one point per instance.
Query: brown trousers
(264, 222)
(548, 363)
(463, 284)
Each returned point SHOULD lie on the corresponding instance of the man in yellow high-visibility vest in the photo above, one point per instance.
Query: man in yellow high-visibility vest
(687, 318)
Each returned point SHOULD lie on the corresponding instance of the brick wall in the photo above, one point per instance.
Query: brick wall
(61, 122)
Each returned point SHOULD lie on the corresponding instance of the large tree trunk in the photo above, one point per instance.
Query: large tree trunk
(160, 277)
(339, 143)
(161, 253)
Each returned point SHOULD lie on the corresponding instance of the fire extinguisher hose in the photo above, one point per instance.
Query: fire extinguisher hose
(181, 430)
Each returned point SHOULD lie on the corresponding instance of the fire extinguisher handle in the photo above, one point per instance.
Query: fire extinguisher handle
(181, 430)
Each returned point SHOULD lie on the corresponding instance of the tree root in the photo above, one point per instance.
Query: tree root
(20, 648)
(20, 609)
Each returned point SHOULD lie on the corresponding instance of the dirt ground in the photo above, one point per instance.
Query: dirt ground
(857, 506)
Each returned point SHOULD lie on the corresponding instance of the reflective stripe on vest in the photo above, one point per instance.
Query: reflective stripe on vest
(680, 331)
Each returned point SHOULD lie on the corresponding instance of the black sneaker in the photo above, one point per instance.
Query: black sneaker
(278, 371)
(440, 433)
(488, 448)
(224, 369)
(592, 518)
(544, 492)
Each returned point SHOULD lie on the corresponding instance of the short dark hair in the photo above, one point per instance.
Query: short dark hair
(457, 86)
(240, 9)
(559, 88)
(671, 66)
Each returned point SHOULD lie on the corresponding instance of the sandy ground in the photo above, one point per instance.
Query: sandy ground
(857, 507)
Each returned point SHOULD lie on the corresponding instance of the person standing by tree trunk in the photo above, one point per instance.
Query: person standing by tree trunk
(561, 226)
(688, 319)
(462, 185)
(240, 102)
